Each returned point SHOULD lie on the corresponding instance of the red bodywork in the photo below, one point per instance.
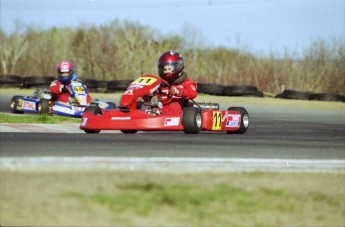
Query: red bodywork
(128, 117)
(212, 120)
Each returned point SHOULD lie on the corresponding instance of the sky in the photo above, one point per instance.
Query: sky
(257, 26)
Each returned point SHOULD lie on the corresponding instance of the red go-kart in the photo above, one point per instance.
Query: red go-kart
(139, 106)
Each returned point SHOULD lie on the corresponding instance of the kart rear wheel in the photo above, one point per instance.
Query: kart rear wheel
(14, 103)
(43, 106)
(244, 120)
(191, 120)
(96, 111)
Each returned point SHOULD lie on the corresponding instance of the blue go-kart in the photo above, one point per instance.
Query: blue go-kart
(41, 102)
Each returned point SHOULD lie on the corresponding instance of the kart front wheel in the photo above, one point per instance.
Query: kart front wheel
(43, 106)
(244, 120)
(96, 111)
(191, 120)
(14, 103)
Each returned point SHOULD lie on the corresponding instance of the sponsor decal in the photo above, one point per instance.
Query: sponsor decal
(155, 88)
(129, 92)
(63, 109)
(233, 121)
(135, 87)
(77, 84)
(79, 108)
(172, 121)
(28, 105)
(120, 118)
(83, 121)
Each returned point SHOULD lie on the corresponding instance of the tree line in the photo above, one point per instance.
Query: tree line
(123, 50)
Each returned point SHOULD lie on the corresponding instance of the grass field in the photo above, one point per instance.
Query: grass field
(133, 198)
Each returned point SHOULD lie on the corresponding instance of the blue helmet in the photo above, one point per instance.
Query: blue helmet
(65, 71)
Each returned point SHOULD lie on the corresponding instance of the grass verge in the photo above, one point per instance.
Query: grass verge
(127, 198)
(39, 119)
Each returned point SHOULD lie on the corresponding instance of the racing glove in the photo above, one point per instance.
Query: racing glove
(175, 91)
(64, 89)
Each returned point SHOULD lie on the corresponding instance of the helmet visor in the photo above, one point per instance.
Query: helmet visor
(168, 67)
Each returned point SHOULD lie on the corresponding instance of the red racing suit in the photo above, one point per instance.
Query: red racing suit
(175, 103)
(60, 92)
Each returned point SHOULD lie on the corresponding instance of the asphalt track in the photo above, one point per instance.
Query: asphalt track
(275, 133)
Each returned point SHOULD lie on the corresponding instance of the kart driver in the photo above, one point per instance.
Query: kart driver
(170, 69)
(59, 89)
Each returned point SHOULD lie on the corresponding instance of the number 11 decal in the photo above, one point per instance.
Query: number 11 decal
(217, 120)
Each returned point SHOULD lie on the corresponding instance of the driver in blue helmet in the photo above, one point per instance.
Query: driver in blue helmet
(59, 88)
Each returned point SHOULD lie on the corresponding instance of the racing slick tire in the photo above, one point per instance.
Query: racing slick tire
(14, 104)
(96, 111)
(244, 120)
(191, 120)
(43, 106)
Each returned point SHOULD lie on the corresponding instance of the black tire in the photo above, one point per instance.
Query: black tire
(102, 86)
(291, 94)
(90, 84)
(10, 81)
(129, 131)
(44, 106)
(242, 90)
(191, 120)
(37, 81)
(244, 120)
(212, 89)
(327, 97)
(96, 111)
(112, 105)
(118, 85)
(14, 104)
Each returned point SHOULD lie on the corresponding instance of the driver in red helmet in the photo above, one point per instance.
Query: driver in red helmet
(59, 88)
(170, 69)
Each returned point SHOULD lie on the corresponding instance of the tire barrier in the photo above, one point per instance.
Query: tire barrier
(10, 81)
(292, 94)
(118, 85)
(92, 85)
(222, 90)
(244, 90)
(102, 86)
(327, 97)
(211, 89)
(37, 81)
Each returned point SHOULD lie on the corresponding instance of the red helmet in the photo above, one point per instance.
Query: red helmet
(63, 68)
(170, 66)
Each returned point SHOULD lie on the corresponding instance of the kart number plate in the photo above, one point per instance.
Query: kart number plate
(217, 120)
(144, 80)
(79, 89)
